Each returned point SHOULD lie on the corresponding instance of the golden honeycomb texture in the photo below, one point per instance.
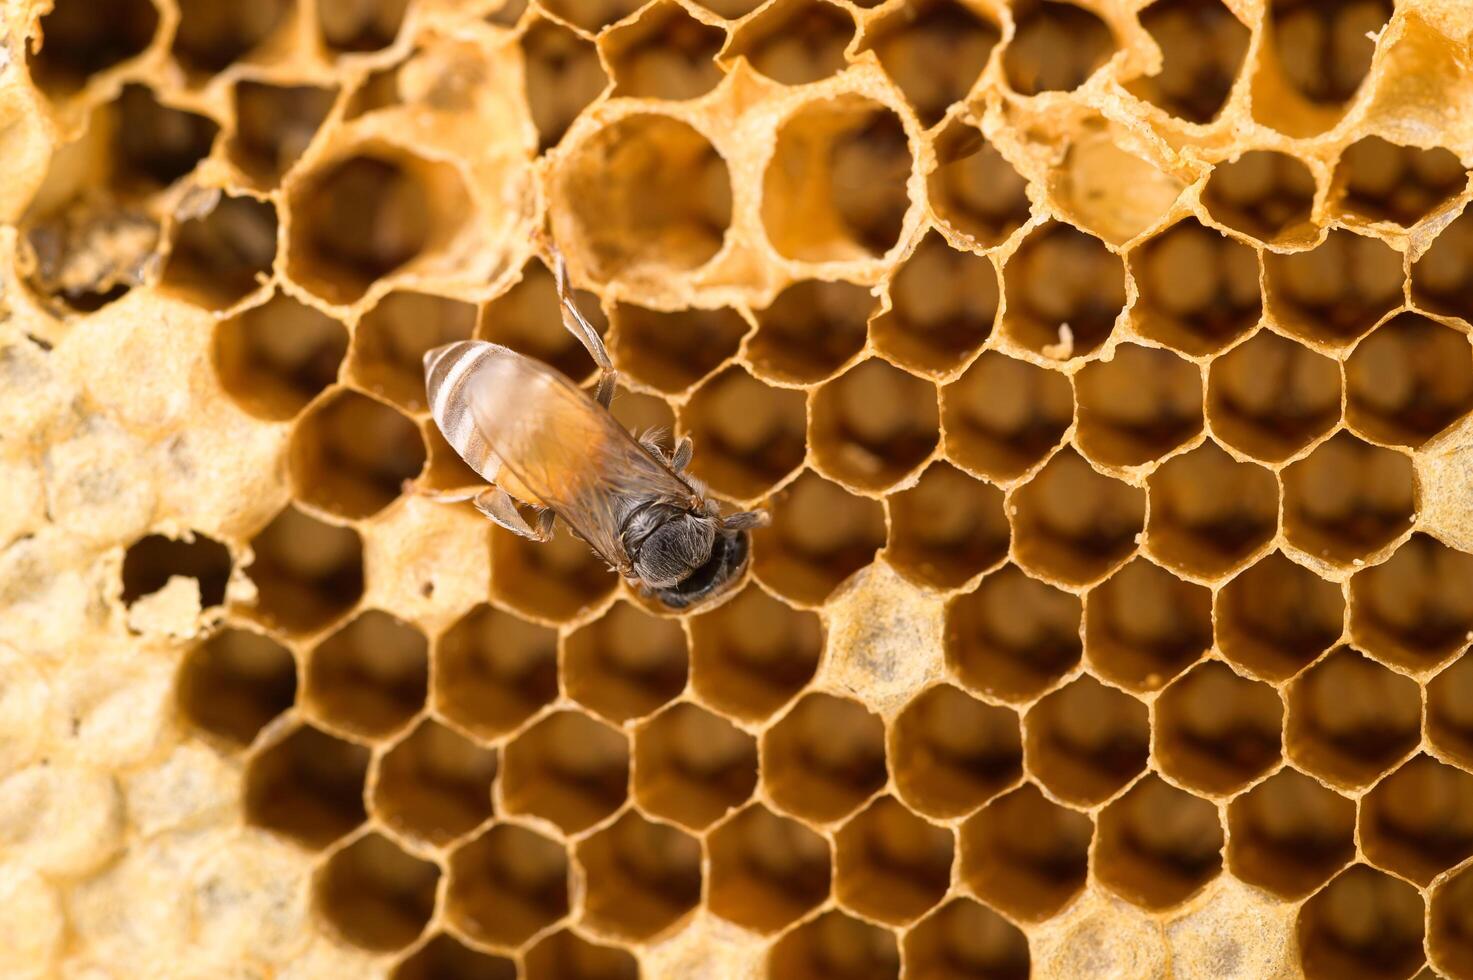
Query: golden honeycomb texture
(1104, 366)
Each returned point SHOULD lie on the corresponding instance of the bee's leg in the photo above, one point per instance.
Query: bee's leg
(577, 325)
(497, 505)
(452, 496)
(680, 458)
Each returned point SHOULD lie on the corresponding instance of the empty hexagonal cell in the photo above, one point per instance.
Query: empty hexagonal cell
(1451, 919)
(1210, 512)
(391, 340)
(835, 946)
(84, 38)
(1441, 278)
(965, 940)
(766, 871)
(1143, 626)
(219, 258)
(1138, 406)
(747, 435)
(946, 529)
(1073, 524)
(1350, 719)
(307, 786)
(563, 76)
(1348, 499)
(1026, 855)
(1382, 181)
(664, 54)
(153, 145)
(360, 27)
(1415, 609)
(593, 17)
(1158, 845)
(506, 885)
(1336, 291)
(552, 580)
(210, 38)
(1322, 52)
(891, 865)
(1199, 288)
(1004, 416)
(526, 319)
(235, 683)
(811, 330)
(1085, 741)
(306, 573)
(1450, 711)
(1064, 290)
(973, 189)
(640, 877)
(626, 663)
(1263, 194)
(370, 676)
(446, 958)
(274, 125)
(1418, 821)
(567, 768)
(1202, 49)
(750, 655)
(274, 358)
(1270, 397)
(1057, 47)
(943, 305)
(1013, 637)
(1216, 731)
(493, 671)
(1409, 380)
(673, 350)
(566, 956)
(351, 455)
(435, 785)
(874, 424)
(820, 535)
(376, 896)
(953, 753)
(646, 194)
(1276, 617)
(807, 211)
(1364, 925)
(934, 50)
(795, 42)
(1289, 834)
(824, 758)
(692, 766)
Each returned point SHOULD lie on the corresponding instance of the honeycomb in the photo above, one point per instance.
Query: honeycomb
(1104, 366)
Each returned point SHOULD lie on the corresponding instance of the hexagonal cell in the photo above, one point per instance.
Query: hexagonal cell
(1350, 719)
(526, 319)
(593, 17)
(1202, 49)
(370, 676)
(1209, 513)
(750, 655)
(1418, 821)
(1158, 845)
(360, 27)
(235, 683)
(944, 303)
(567, 768)
(953, 753)
(274, 125)
(446, 958)
(351, 455)
(493, 671)
(1409, 380)
(1323, 53)
(795, 41)
(554, 580)
(747, 435)
(934, 50)
(973, 189)
(563, 76)
(1451, 939)
(835, 946)
(1064, 291)
(307, 786)
(210, 38)
(1270, 397)
(646, 195)
(946, 529)
(566, 956)
(306, 573)
(391, 340)
(626, 663)
(1085, 741)
(1348, 499)
(274, 358)
(219, 258)
(1441, 278)
(641, 877)
(1365, 925)
(1336, 291)
(766, 871)
(820, 535)
(1289, 834)
(1415, 609)
(375, 896)
(507, 885)
(1450, 711)
(807, 212)
(153, 145)
(1013, 637)
(434, 785)
(891, 865)
(1073, 524)
(1138, 406)
(1216, 731)
(873, 425)
(1057, 47)
(1003, 416)
(1026, 855)
(1263, 194)
(664, 54)
(692, 766)
(811, 330)
(84, 38)
(965, 940)
(1198, 288)
(1143, 626)
(824, 758)
(1377, 180)
(670, 351)
(1276, 617)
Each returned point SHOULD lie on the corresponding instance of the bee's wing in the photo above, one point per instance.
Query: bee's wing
(568, 450)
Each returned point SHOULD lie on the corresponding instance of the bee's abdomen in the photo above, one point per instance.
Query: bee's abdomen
(450, 372)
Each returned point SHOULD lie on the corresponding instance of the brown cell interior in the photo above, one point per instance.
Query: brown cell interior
(973, 189)
(947, 529)
(812, 329)
(221, 257)
(672, 351)
(824, 758)
(564, 954)
(1382, 181)
(1143, 626)
(1449, 720)
(1336, 291)
(370, 676)
(351, 455)
(1064, 290)
(752, 654)
(1441, 277)
(1418, 821)
(1013, 637)
(1138, 406)
(1158, 845)
(376, 896)
(953, 752)
(1263, 194)
(1270, 397)
(1415, 609)
(446, 957)
(307, 786)
(235, 683)
(360, 27)
(556, 580)
(934, 50)
(1275, 617)
(1004, 416)
(390, 342)
(1350, 719)
(767, 871)
(820, 535)
(1085, 741)
(1321, 49)
(873, 424)
(527, 319)
(965, 939)
(507, 885)
(1074, 525)
(1199, 288)
(1348, 499)
(1210, 512)
(274, 126)
(1217, 731)
(83, 38)
(1409, 380)
(944, 303)
(626, 664)
(307, 573)
(211, 37)
(1202, 49)
(890, 864)
(795, 42)
(835, 944)
(563, 76)
(1451, 937)
(435, 785)
(1058, 46)
(665, 54)
(494, 670)
(274, 358)
(1365, 925)
(1026, 855)
(567, 768)
(642, 877)
(1290, 834)
(692, 766)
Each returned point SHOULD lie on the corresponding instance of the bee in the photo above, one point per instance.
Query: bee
(540, 440)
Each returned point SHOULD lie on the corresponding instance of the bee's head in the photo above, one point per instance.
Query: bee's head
(682, 556)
